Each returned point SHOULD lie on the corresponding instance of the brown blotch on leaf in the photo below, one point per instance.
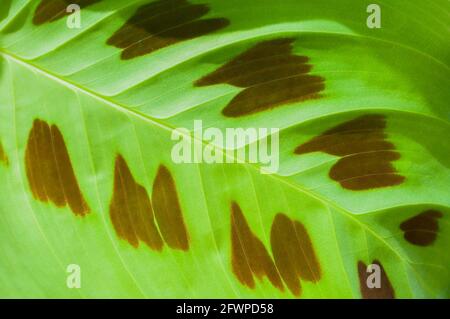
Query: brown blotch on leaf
(422, 229)
(249, 257)
(366, 154)
(3, 156)
(168, 210)
(52, 10)
(131, 211)
(163, 23)
(271, 75)
(367, 170)
(293, 252)
(385, 291)
(49, 169)
(363, 134)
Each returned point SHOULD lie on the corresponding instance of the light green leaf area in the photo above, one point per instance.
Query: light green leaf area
(104, 105)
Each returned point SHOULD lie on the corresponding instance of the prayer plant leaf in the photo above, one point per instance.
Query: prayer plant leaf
(88, 181)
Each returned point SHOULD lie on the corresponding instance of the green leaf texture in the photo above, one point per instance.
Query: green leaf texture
(87, 177)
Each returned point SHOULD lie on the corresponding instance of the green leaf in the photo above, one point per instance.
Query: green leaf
(88, 178)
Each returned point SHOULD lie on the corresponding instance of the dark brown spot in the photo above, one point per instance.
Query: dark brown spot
(248, 255)
(366, 154)
(271, 75)
(52, 10)
(385, 290)
(3, 156)
(49, 169)
(168, 211)
(422, 229)
(363, 134)
(293, 253)
(162, 23)
(130, 209)
(366, 170)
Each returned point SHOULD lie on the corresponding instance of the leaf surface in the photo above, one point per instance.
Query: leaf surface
(87, 177)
